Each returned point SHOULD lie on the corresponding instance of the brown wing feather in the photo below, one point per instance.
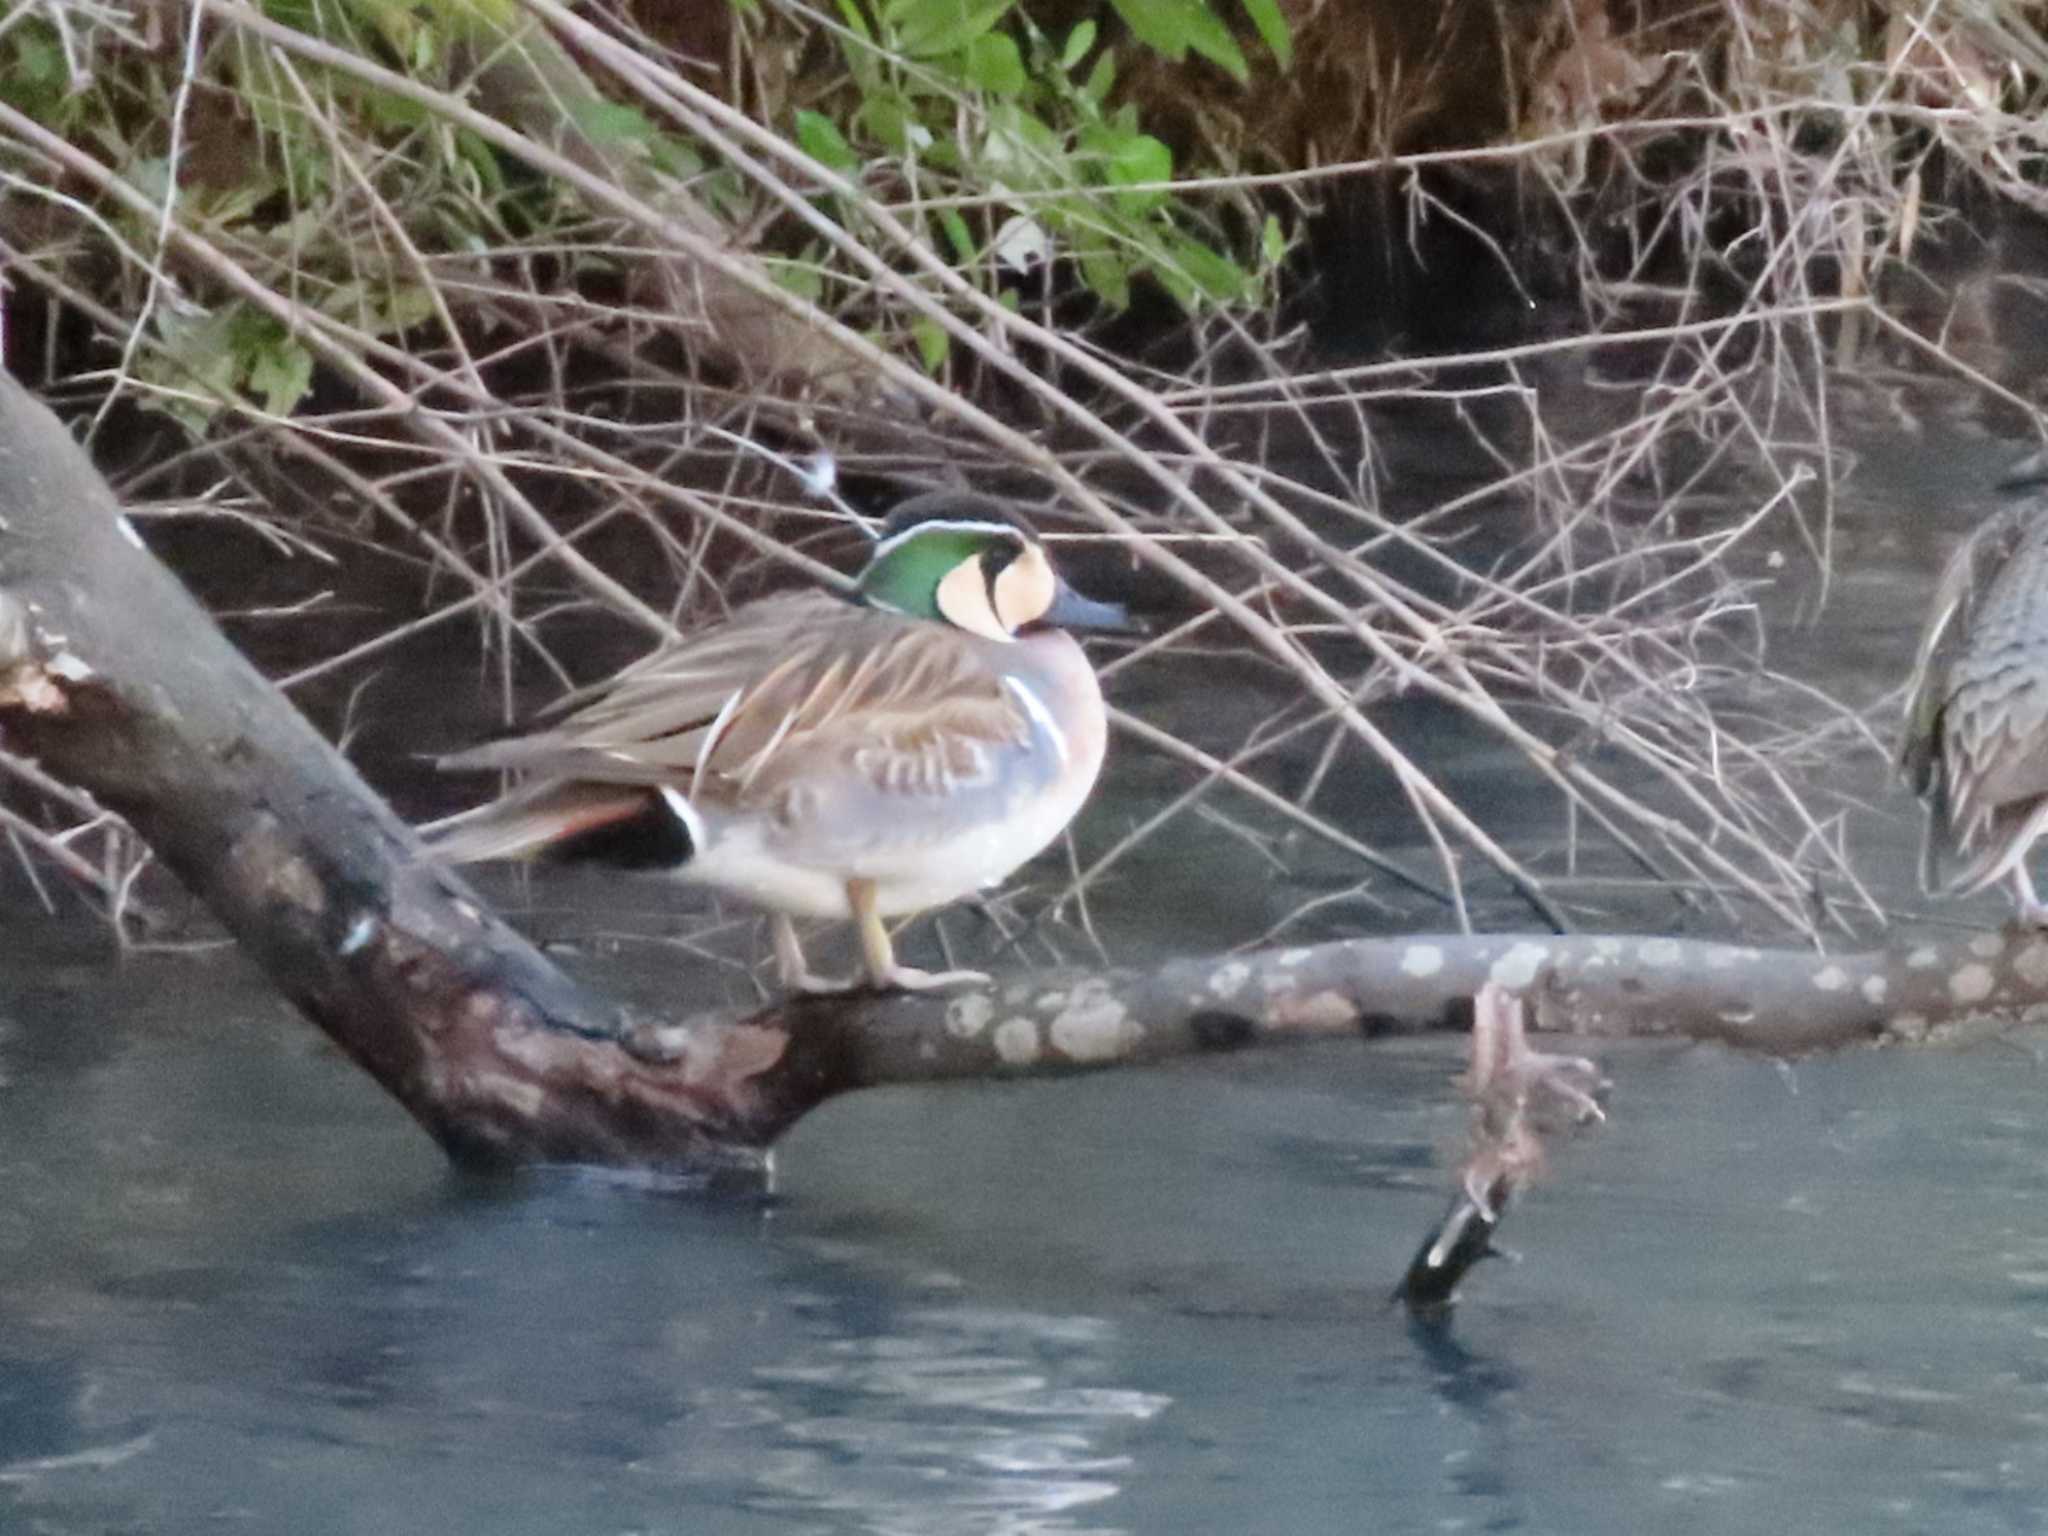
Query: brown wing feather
(784, 686)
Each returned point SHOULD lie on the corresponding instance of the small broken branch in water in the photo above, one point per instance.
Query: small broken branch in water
(119, 685)
(1514, 1092)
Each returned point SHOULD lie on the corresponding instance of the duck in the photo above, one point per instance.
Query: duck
(1974, 746)
(821, 757)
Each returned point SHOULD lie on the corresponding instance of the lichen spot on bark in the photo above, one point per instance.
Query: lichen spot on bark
(1422, 960)
(968, 1016)
(1016, 1041)
(1908, 1026)
(1971, 983)
(1518, 967)
(1874, 989)
(1922, 958)
(1094, 1025)
(1318, 1010)
(2031, 963)
(1830, 978)
(1989, 945)
(267, 863)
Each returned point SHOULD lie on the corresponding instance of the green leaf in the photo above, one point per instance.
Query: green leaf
(1106, 274)
(959, 236)
(856, 21)
(281, 372)
(823, 142)
(1128, 158)
(1079, 41)
(1172, 27)
(1218, 276)
(611, 122)
(994, 64)
(802, 278)
(889, 118)
(932, 343)
(1272, 29)
(1139, 158)
(1101, 78)
(927, 28)
(401, 308)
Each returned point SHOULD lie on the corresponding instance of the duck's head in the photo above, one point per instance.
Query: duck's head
(966, 560)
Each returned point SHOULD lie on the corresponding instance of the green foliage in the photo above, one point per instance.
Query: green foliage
(355, 203)
(328, 190)
(1012, 148)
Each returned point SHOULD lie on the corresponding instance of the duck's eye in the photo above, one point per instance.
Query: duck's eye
(995, 558)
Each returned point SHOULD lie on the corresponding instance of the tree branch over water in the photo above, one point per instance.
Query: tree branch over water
(117, 684)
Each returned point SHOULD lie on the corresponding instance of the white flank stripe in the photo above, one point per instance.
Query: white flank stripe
(686, 813)
(1035, 707)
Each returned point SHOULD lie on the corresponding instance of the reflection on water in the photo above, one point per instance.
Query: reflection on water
(959, 1421)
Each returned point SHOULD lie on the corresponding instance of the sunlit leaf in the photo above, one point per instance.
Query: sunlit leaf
(1273, 239)
(1101, 78)
(821, 139)
(1273, 30)
(932, 343)
(281, 373)
(1172, 27)
(994, 64)
(928, 28)
(611, 122)
(1108, 277)
(1139, 158)
(1079, 41)
(1218, 276)
(890, 119)
(958, 235)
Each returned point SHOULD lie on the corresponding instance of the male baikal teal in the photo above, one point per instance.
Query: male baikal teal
(825, 758)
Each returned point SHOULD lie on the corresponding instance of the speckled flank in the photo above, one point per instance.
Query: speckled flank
(1294, 956)
(1094, 1026)
(1229, 978)
(1922, 958)
(1659, 952)
(1874, 989)
(1016, 1042)
(1422, 960)
(1970, 983)
(1988, 945)
(968, 1016)
(1518, 967)
(1830, 978)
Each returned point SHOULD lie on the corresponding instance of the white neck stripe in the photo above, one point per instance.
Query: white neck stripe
(1005, 530)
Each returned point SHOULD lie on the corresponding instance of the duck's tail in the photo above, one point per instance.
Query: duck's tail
(629, 825)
